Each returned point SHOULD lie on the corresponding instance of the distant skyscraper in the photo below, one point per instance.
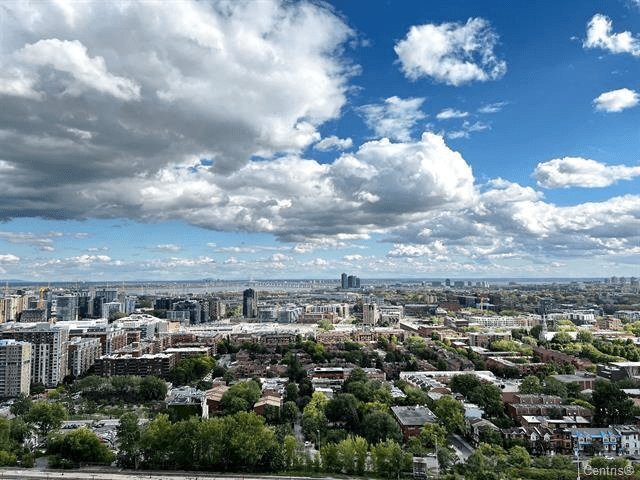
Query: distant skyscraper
(351, 281)
(249, 303)
(344, 280)
(66, 308)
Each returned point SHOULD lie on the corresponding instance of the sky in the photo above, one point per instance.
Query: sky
(302, 139)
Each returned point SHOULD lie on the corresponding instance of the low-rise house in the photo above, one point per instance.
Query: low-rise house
(411, 419)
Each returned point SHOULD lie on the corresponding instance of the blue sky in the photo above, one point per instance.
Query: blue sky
(274, 139)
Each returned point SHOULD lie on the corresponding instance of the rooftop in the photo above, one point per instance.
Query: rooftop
(416, 415)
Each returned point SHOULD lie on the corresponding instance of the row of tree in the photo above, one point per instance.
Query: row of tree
(127, 388)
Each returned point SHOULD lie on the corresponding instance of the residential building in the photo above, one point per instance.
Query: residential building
(49, 361)
(15, 368)
(249, 303)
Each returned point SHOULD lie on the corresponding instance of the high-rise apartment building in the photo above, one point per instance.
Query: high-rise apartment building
(249, 303)
(15, 368)
(66, 308)
(343, 280)
(48, 353)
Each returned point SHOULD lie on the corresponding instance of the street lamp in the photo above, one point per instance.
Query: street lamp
(577, 452)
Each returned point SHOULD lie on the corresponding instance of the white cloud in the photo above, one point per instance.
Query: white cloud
(15, 83)
(617, 100)
(395, 118)
(353, 258)
(449, 113)
(467, 129)
(492, 107)
(71, 57)
(599, 35)
(417, 250)
(218, 80)
(9, 258)
(451, 53)
(167, 247)
(333, 143)
(581, 172)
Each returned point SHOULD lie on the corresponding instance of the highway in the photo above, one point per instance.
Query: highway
(18, 474)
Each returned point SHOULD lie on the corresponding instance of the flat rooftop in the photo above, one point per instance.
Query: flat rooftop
(413, 416)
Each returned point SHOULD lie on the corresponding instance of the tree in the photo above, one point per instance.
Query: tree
(519, 457)
(388, 459)
(450, 413)
(489, 397)
(331, 461)
(290, 452)
(555, 387)
(290, 412)
(128, 434)
(530, 384)
(291, 392)
(314, 419)
(611, 405)
(46, 416)
(432, 434)
(344, 408)
(379, 426)
(80, 446)
(21, 405)
(241, 397)
(152, 389)
(584, 336)
(465, 383)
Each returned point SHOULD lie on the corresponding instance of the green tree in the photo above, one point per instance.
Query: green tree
(465, 383)
(450, 413)
(344, 408)
(290, 445)
(128, 434)
(530, 384)
(555, 387)
(314, 419)
(330, 455)
(290, 412)
(611, 405)
(152, 389)
(432, 435)
(46, 417)
(241, 397)
(519, 457)
(21, 405)
(378, 426)
(388, 459)
(80, 446)
(489, 397)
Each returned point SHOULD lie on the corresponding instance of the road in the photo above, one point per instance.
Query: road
(17, 474)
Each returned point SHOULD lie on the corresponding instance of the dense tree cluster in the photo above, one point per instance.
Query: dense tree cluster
(122, 388)
(191, 369)
(77, 447)
(487, 396)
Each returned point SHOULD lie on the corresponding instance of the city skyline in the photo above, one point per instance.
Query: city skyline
(222, 140)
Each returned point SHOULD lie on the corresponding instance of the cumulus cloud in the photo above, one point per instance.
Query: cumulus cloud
(380, 185)
(600, 35)
(581, 172)
(451, 53)
(333, 143)
(616, 100)
(395, 118)
(449, 113)
(218, 80)
(9, 258)
(70, 57)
